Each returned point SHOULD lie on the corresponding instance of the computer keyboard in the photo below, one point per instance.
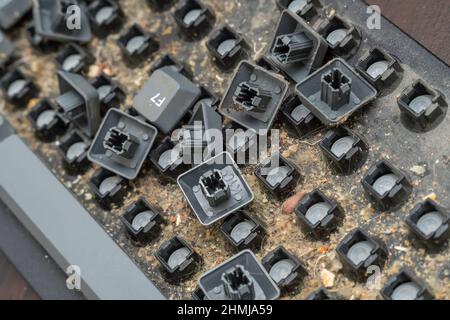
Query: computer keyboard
(363, 133)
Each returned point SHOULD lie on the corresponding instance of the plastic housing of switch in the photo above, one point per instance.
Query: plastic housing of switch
(249, 77)
(79, 102)
(296, 48)
(322, 294)
(109, 194)
(242, 277)
(160, 5)
(137, 45)
(335, 91)
(176, 166)
(299, 121)
(122, 144)
(17, 87)
(226, 186)
(51, 18)
(78, 162)
(111, 94)
(106, 17)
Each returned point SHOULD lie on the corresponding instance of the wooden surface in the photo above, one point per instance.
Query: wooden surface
(12, 284)
(426, 21)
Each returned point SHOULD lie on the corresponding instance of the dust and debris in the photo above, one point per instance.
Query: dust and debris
(379, 125)
(419, 170)
(327, 278)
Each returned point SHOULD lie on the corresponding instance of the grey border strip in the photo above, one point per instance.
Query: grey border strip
(31, 260)
(65, 229)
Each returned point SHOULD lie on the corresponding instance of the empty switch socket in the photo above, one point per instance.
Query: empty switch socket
(17, 87)
(387, 186)
(406, 286)
(279, 175)
(358, 251)
(343, 38)
(194, 19)
(346, 150)
(284, 268)
(227, 47)
(177, 258)
(423, 108)
(306, 9)
(318, 215)
(243, 231)
(379, 68)
(430, 222)
(142, 221)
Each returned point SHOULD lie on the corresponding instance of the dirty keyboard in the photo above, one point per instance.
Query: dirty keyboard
(355, 202)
